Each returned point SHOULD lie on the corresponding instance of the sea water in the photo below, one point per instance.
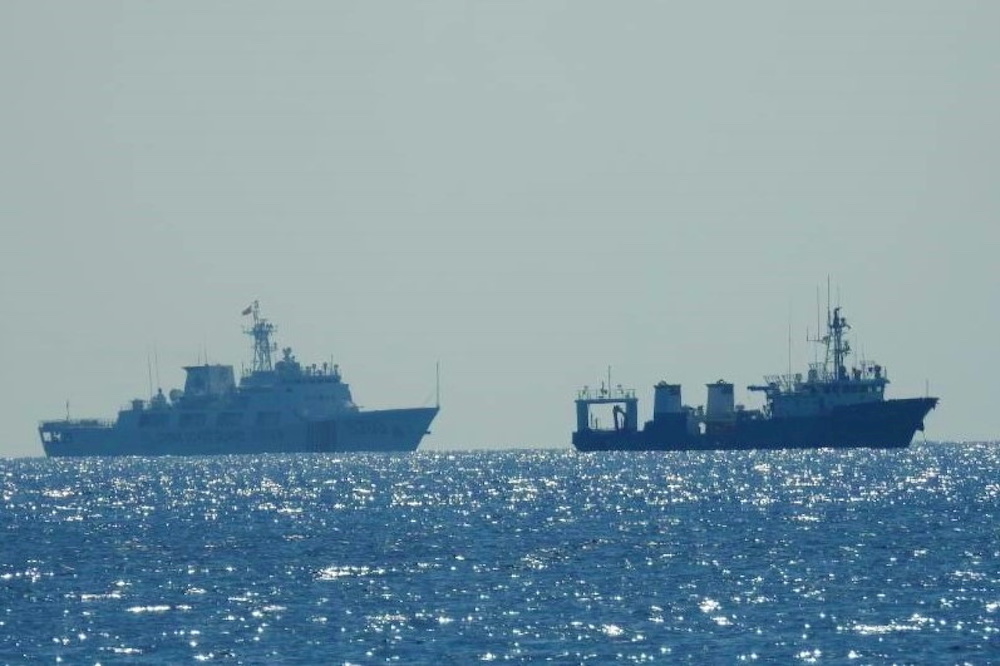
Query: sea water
(864, 557)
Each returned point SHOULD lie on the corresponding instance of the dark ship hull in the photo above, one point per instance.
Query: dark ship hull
(830, 406)
(380, 431)
(885, 424)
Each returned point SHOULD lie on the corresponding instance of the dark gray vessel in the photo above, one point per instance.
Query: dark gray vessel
(830, 407)
(283, 407)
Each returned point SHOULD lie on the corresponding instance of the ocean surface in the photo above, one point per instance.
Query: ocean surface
(808, 557)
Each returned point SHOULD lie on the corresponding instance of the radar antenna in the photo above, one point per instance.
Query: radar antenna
(260, 331)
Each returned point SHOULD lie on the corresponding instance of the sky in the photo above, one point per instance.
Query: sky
(521, 192)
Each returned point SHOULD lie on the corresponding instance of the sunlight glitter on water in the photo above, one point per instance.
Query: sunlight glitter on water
(524, 556)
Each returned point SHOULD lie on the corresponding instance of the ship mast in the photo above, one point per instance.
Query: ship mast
(261, 333)
(836, 325)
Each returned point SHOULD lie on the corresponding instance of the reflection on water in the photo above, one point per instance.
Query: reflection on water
(806, 556)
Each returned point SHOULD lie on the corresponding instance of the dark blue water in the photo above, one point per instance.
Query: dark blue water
(791, 557)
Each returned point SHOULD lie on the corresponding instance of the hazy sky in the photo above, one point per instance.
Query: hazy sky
(526, 191)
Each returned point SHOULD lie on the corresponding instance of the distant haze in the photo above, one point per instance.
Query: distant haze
(523, 191)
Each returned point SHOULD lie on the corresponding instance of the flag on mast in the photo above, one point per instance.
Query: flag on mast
(248, 310)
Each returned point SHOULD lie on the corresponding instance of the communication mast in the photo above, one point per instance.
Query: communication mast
(260, 331)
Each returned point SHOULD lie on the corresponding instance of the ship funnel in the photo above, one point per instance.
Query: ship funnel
(666, 399)
(720, 401)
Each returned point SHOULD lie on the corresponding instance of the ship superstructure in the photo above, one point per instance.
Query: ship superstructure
(280, 406)
(832, 406)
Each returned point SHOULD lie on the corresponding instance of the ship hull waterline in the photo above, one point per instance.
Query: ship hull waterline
(375, 431)
(887, 424)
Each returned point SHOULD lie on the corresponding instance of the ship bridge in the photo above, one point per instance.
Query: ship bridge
(829, 383)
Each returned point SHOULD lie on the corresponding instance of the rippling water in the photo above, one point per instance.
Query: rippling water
(802, 557)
